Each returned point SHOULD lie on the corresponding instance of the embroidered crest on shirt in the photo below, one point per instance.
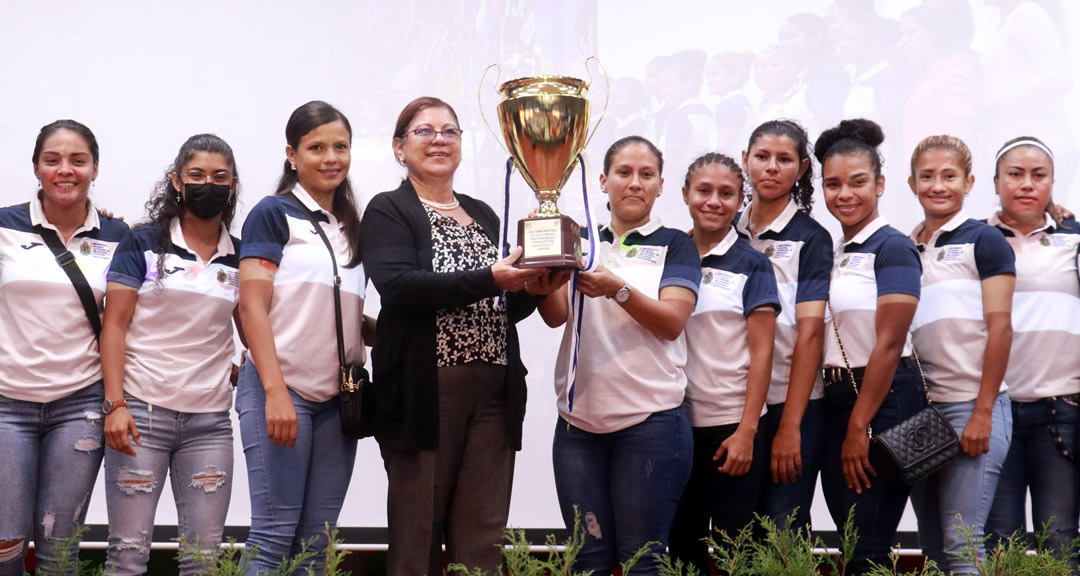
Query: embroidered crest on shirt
(853, 262)
(779, 251)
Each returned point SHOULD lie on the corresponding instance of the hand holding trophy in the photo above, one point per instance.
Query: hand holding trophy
(544, 122)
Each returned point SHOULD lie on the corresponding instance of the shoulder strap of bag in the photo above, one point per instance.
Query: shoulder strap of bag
(66, 260)
(337, 278)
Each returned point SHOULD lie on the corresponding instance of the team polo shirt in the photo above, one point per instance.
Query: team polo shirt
(302, 313)
(1045, 356)
(880, 260)
(800, 250)
(735, 280)
(624, 372)
(949, 329)
(47, 347)
(179, 344)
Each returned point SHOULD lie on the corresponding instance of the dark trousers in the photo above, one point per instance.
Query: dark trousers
(459, 492)
(729, 501)
(778, 501)
(879, 508)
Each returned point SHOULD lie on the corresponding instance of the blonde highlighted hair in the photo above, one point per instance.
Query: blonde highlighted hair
(943, 142)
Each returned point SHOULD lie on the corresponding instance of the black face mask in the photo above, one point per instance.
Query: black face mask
(207, 200)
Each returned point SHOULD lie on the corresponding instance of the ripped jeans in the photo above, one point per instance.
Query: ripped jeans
(50, 454)
(196, 451)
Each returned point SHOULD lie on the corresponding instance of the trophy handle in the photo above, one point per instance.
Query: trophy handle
(480, 100)
(607, 94)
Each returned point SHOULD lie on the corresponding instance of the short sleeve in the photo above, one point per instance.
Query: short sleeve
(815, 267)
(897, 267)
(129, 263)
(760, 288)
(682, 267)
(266, 231)
(993, 254)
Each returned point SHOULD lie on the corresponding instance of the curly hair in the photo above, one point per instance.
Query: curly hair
(859, 136)
(164, 204)
(803, 190)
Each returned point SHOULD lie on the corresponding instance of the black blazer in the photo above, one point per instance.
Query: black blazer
(403, 397)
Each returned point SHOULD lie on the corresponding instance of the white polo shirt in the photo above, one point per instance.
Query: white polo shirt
(949, 329)
(735, 280)
(624, 372)
(179, 344)
(1044, 360)
(47, 347)
(878, 261)
(801, 253)
(302, 307)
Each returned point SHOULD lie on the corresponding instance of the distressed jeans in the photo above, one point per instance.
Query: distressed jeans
(196, 451)
(50, 454)
(626, 486)
(295, 492)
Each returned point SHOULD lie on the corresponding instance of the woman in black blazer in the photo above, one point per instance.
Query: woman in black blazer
(448, 393)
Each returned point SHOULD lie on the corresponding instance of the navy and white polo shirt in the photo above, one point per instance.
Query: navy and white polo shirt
(47, 347)
(1044, 361)
(949, 330)
(800, 250)
(624, 372)
(735, 280)
(302, 308)
(880, 260)
(179, 344)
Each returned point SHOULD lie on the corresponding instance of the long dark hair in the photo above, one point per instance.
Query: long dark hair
(303, 120)
(803, 190)
(163, 205)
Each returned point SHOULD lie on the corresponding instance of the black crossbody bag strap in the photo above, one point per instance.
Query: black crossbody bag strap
(337, 277)
(66, 260)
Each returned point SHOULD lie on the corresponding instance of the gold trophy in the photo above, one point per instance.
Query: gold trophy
(545, 121)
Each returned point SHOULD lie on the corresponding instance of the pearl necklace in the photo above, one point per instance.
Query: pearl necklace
(439, 206)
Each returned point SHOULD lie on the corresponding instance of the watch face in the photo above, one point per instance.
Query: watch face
(623, 294)
(106, 406)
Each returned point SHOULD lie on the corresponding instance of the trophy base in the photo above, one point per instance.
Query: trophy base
(549, 242)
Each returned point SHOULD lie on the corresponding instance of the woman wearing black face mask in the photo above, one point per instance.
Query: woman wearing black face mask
(166, 354)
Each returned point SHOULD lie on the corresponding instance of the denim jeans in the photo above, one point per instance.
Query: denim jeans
(1036, 463)
(729, 501)
(295, 492)
(778, 501)
(965, 487)
(196, 451)
(879, 508)
(50, 454)
(626, 485)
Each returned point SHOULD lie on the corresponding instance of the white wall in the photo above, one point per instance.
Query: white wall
(146, 75)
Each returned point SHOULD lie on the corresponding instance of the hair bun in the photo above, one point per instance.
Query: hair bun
(859, 129)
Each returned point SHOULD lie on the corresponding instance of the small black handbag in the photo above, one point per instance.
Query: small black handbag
(353, 379)
(918, 446)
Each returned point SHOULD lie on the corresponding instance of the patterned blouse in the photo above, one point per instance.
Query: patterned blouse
(476, 332)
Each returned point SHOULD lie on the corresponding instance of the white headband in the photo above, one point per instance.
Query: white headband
(1024, 142)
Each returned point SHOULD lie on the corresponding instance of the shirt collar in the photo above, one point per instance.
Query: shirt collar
(865, 234)
(645, 229)
(224, 245)
(1048, 225)
(37, 216)
(777, 225)
(720, 249)
(309, 202)
(953, 223)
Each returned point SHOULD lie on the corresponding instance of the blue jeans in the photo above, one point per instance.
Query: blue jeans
(778, 501)
(729, 501)
(965, 487)
(196, 451)
(626, 486)
(1036, 463)
(50, 454)
(295, 492)
(879, 508)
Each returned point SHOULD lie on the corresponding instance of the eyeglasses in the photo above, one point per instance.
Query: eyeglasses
(427, 134)
(200, 177)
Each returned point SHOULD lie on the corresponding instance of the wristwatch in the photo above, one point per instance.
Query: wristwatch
(623, 294)
(108, 406)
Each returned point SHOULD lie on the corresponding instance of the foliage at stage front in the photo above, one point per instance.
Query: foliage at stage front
(235, 560)
(67, 555)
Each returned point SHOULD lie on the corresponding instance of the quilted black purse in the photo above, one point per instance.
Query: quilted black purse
(918, 446)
